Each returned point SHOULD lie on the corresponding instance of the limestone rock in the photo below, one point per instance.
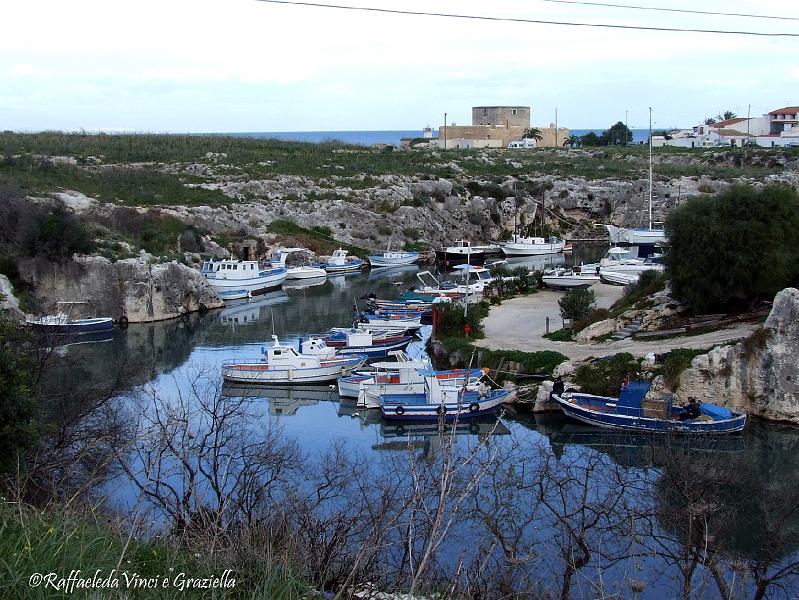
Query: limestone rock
(758, 376)
(8, 301)
(564, 369)
(543, 403)
(595, 330)
(132, 288)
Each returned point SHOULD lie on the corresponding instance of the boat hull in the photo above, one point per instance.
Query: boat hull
(383, 261)
(305, 273)
(260, 372)
(75, 326)
(570, 281)
(413, 407)
(254, 286)
(654, 425)
(514, 249)
(458, 258)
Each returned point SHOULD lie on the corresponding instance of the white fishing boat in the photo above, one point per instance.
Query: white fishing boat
(393, 258)
(339, 262)
(432, 289)
(531, 246)
(280, 256)
(281, 365)
(569, 279)
(617, 277)
(234, 279)
(349, 386)
(461, 252)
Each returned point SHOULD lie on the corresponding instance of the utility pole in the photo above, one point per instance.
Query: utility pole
(748, 110)
(650, 167)
(626, 141)
(556, 127)
(445, 131)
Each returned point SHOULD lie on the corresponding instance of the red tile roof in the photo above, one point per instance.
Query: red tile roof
(788, 110)
(722, 124)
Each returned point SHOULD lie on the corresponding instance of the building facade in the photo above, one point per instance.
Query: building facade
(496, 127)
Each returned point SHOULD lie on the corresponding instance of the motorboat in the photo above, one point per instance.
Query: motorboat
(393, 258)
(461, 252)
(350, 386)
(618, 260)
(357, 341)
(432, 288)
(61, 323)
(442, 400)
(314, 363)
(568, 279)
(404, 322)
(339, 262)
(634, 412)
(300, 271)
(636, 237)
(232, 278)
(531, 246)
(618, 277)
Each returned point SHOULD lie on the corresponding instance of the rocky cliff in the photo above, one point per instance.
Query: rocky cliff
(760, 375)
(133, 288)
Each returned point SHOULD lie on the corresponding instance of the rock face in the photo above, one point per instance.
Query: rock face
(760, 375)
(8, 301)
(131, 288)
(595, 330)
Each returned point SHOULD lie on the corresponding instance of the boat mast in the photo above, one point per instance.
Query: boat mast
(650, 168)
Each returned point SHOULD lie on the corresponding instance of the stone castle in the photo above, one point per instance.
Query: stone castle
(496, 127)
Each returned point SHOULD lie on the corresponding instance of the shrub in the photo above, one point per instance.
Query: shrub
(452, 320)
(604, 377)
(17, 403)
(411, 233)
(650, 282)
(57, 235)
(576, 304)
(675, 362)
(733, 248)
(560, 335)
(596, 315)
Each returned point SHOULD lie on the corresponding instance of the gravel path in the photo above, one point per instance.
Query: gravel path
(520, 323)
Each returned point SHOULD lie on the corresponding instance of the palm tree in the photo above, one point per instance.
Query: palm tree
(572, 141)
(710, 121)
(533, 133)
(727, 114)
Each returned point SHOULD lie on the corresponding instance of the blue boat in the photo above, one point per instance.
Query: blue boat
(61, 323)
(442, 400)
(631, 411)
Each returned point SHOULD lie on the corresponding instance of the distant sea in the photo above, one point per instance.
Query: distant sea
(367, 138)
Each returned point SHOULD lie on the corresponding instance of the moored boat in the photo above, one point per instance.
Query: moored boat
(461, 252)
(284, 365)
(296, 271)
(339, 262)
(235, 279)
(61, 323)
(633, 411)
(442, 400)
(364, 341)
(568, 279)
(531, 246)
(618, 278)
(393, 258)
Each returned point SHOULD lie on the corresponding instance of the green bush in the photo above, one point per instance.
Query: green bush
(733, 248)
(596, 315)
(452, 320)
(576, 304)
(18, 408)
(560, 335)
(650, 282)
(675, 362)
(57, 235)
(604, 377)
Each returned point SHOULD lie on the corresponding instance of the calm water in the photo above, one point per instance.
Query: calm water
(175, 355)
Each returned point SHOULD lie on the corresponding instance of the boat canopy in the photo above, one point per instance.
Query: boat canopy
(631, 397)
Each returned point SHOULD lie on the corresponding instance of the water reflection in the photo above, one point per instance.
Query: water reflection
(282, 400)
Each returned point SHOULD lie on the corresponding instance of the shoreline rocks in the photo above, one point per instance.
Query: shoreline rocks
(134, 289)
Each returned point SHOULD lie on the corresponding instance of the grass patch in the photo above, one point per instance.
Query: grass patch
(675, 362)
(318, 238)
(560, 335)
(650, 282)
(604, 377)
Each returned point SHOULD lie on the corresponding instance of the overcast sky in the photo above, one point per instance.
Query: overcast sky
(244, 65)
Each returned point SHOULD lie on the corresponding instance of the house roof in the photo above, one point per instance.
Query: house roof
(731, 132)
(788, 110)
(722, 124)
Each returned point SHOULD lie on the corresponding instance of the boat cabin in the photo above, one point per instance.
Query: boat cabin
(232, 269)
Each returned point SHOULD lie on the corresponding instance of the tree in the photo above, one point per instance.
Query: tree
(572, 141)
(618, 134)
(533, 133)
(17, 402)
(732, 248)
(590, 139)
(576, 304)
(726, 115)
(710, 121)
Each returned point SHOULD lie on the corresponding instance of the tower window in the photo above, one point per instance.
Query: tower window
(514, 112)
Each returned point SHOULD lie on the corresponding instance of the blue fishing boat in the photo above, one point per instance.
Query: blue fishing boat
(442, 400)
(62, 323)
(632, 411)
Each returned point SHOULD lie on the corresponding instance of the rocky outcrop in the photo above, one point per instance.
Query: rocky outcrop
(135, 288)
(758, 376)
(595, 330)
(8, 301)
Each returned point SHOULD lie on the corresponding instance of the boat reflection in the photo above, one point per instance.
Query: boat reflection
(535, 263)
(283, 400)
(240, 312)
(299, 284)
(392, 272)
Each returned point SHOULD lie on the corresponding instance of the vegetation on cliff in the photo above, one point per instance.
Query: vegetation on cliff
(734, 248)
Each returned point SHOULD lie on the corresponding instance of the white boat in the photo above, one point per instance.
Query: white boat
(298, 284)
(349, 386)
(617, 261)
(315, 363)
(461, 252)
(62, 323)
(339, 262)
(232, 278)
(432, 288)
(531, 246)
(617, 277)
(303, 271)
(635, 237)
(393, 258)
(568, 279)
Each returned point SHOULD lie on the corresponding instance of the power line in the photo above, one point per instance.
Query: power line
(673, 10)
(396, 11)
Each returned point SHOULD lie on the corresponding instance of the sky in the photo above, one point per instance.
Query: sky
(246, 65)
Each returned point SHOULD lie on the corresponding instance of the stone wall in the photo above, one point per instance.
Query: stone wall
(501, 116)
